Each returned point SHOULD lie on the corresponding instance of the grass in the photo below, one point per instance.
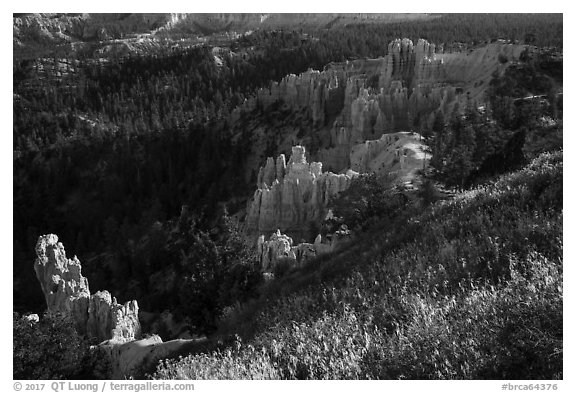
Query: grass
(464, 289)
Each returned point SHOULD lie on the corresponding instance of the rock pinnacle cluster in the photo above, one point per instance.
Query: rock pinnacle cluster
(98, 316)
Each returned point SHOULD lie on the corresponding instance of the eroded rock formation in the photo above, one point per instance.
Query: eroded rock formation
(115, 326)
(280, 247)
(131, 358)
(364, 91)
(354, 101)
(98, 316)
(292, 196)
(400, 155)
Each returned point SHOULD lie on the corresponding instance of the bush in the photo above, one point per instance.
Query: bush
(237, 363)
(512, 331)
(48, 349)
(369, 198)
(282, 267)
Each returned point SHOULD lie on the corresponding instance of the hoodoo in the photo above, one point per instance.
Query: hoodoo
(98, 316)
(280, 247)
(292, 196)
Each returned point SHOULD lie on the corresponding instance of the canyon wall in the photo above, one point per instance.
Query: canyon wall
(354, 101)
(367, 117)
(372, 96)
(293, 197)
(34, 28)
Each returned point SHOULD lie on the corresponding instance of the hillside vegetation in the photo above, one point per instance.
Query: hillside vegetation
(469, 288)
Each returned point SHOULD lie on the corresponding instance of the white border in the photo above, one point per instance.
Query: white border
(300, 6)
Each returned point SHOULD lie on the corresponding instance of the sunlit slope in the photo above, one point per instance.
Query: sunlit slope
(469, 288)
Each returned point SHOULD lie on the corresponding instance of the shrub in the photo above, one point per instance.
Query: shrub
(369, 198)
(512, 331)
(48, 349)
(237, 363)
(282, 267)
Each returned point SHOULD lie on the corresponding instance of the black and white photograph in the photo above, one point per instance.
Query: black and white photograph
(287, 196)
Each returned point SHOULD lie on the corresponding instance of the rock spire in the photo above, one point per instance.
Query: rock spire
(98, 316)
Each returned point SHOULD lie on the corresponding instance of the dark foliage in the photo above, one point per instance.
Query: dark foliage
(524, 115)
(453, 32)
(52, 349)
(509, 157)
(370, 198)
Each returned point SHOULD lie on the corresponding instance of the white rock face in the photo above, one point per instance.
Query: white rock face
(130, 357)
(343, 89)
(280, 248)
(32, 318)
(115, 326)
(400, 155)
(367, 98)
(97, 316)
(293, 196)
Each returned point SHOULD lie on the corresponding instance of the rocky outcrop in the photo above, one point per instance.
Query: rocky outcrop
(115, 326)
(369, 99)
(292, 196)
(360, 100)
(97, 316)
(280, 247)
(132, 358)
(413, 64)
(348, 89)
(400, 155)
(68, 27)
(107, 318)
(354, 101)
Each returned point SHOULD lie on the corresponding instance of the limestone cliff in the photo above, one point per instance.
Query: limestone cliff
(97, 316)
(292, 196)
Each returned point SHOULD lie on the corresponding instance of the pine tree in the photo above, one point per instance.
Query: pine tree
(438, 141)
